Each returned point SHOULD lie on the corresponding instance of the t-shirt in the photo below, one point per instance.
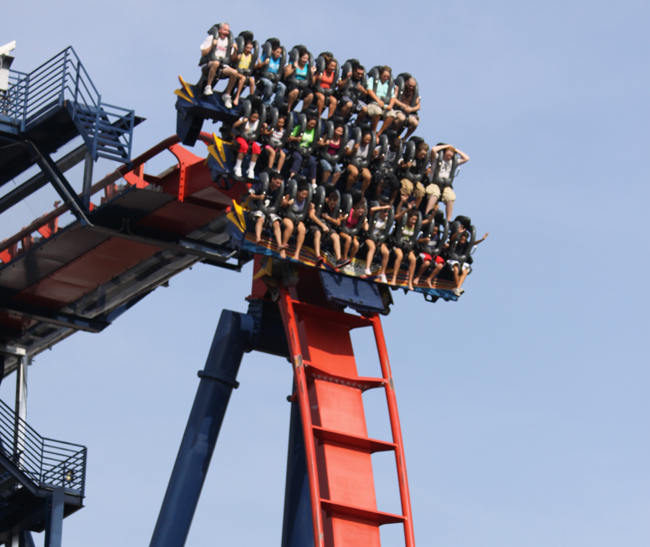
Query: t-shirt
(444, 169)
(431, 245)
(301, 73)
(269, 196)
(417, 165)
(299, 206)
(408, 233)
(362, 152)
(220, 49)
(276, 138)
(274, 64)
(307, 137)
(380, 226)
(245, 61)
(249, 129)
(382, 88)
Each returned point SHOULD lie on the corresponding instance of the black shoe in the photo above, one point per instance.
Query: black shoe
(342, 262)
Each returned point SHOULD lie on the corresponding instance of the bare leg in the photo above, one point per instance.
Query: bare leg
(233, 75)
(291, 98)
(258, 229)
(456, 278)
(332, 107)
(271, 157)
(352, 176)
(212, 72)
(385, 254)
(347, 242)
(300, 239)
(431, 204)
(326, 176)
(373, 122)
(278, 237)
(317, 236)
(423, 269)
(412, 261)
(463, 277)
(413, 125)
(371, 252)
(362, 114)
(434, 273)
(450, 209)
(281, 160)
(386, 125)
(345, 109)
(355, 247)
(366, 177)
(399, 254)
(252, 85)
(336, 177)
(240, 86)
(320, 103)
(288, 230)
(336, 243)
(307, 101)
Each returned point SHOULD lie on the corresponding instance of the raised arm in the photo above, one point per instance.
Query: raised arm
(464, 158)
(482, 239)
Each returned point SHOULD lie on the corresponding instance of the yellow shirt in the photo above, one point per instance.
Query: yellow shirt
(245, 61)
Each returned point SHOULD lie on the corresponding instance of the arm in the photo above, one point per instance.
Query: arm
(373, 210)
(239, 122)
(285, 202)
(416, 107)
(344, 81)
(482, 239)
(205, 51)
(393, 99)
(399, 212)
(315, 219)
(289, 70)
(464, 158)
(436, 149)
(261, 63)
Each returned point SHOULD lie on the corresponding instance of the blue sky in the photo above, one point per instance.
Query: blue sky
(524, 406)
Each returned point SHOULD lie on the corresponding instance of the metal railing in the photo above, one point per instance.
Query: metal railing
(63, 77)
(46, 462)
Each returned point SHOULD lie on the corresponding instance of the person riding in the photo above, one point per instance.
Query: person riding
(325, 81)
(324, 227)
(301, 74)
(353, 93)
(271, 64)
(304, 144)
(215, 51)
(248, 129)
(442, 176)
(243, 61)
(382, 100)
(405, 108)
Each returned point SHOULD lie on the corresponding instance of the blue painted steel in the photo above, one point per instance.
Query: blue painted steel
(54, 518)
(63, 81)
(297, 526)
(234, 336)
(359, 294)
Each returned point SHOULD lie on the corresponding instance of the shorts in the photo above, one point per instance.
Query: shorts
(464, 267)
(327, 166)
(375, 110)
(244, 145)
(410, 189)
(447, 194)
(304, 91)
(427, 256)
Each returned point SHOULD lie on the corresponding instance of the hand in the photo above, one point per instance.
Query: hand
(244, 120)
(485, 236)
(381, 103)
(313, 68)
(426, 239)
(264, 125)
(349, 75)
(326, 229)
(290, 202)
(356, 146)
(403, 198)
(407, 165)
(266, 62)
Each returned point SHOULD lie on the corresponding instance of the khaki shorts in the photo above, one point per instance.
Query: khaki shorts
(447, 194)
(408, 188)
(375, 110)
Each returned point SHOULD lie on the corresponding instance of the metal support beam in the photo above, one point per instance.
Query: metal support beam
(22, 539)
(53, 317)
(54, 518)
(38, 181)
(234, 336)
(297, 525)
(60, 183)
(88, 180)
(21, 406)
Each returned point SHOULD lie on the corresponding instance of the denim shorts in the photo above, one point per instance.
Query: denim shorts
(327, 166)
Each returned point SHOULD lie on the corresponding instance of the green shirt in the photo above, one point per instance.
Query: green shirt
(307, 137)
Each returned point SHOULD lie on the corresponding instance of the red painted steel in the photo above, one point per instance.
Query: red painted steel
(337, 446)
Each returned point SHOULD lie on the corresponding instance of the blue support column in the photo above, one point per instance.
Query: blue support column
(54, 518)
(297, 526)
(234, 336)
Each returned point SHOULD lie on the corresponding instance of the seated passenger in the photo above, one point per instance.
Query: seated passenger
(373, 237)
(359, 155)
(445, 162)
(271, 81)
(350, 240)
(384, 179)
(353, 93)
(276, 139)
(382, 99)
(267, 197)
(216, 50)
(333, 146)
(299, 75)
(324, 83)
(304, 143)
(324, 227)
(248, 129)
(462, 269)
(297, 206)
(410, 183)
(407, 106)
(428, 244)
(243, 62)
(405, 241)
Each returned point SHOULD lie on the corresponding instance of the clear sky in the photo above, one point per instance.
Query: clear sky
(524, 406)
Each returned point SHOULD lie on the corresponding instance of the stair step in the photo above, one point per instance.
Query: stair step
(376, 517)
(358, 382)
(353, 441)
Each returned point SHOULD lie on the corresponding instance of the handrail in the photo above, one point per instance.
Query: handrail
(64, 78)
(46, 462)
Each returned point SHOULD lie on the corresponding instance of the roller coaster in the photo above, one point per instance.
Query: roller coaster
(140, 231)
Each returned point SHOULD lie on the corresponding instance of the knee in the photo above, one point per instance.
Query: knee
(413, 122)
(301, 228)
(364, 110)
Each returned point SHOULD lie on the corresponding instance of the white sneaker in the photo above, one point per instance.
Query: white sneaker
(314, 186)
(457, 292)
(461, 291)
(367, 272)
(227, 100)
(383, 279)
(207, 90)
(237, 171)
(250, 174)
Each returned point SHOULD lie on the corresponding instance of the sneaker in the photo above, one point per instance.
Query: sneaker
(457, 292)
(342, 262)
(250, 174)
(227, 100)
(368, 272)
(237, 171)
(314, 186)
(461, 291)
(207, 90)
(383, 279)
